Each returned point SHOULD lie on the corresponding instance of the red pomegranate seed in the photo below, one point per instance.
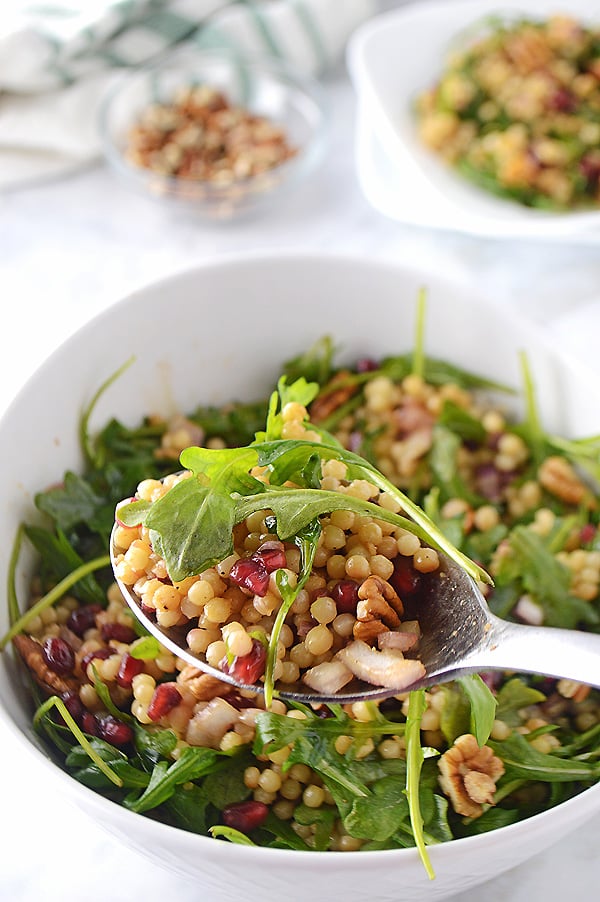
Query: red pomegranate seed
(166, 697)
(366, 365)
(272, 554)
(83, 619)
(115, 731)
(587, 533)
(345, 595)
(101, 653)
(58, 655)
(128, 669)
(90, 724)
(247, 669)
(405, 579)
(245, 816)
(563, 101)
(73, 704)
(250, 574)
(118, 631)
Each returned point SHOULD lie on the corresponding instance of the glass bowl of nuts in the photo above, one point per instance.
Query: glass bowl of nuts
(213, 131)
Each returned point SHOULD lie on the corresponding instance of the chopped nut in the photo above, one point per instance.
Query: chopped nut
(376, 588)
(203, 686)
(468, 775)
(559, 478)
(368, 630)
(332, 397)
(50, 682)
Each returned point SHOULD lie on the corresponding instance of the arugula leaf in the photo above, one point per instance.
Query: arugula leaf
(378, 815)
(512, 697)
(545, 578)
(59, 559)
(191, 764)
(483, 706)
(521, 759)
(314, 365)
(70, 504)
(414, 763)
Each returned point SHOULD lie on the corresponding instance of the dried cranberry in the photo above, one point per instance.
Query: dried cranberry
(82, 619)
(251, 574)
(58, 655)
(128, 669)
(100, 653)
(345, 595)
(166, 697)
(90, 724)
(115, 731)
(118, 631)
(589, 166)
(247, 669)
(245, 816)
(405, 579)
(148, 611)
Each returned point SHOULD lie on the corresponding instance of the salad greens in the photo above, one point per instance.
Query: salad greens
(382, 802)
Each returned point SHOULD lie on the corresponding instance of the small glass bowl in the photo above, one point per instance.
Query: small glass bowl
(263, 87)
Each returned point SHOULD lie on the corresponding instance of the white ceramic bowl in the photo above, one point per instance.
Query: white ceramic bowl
(392, 58)
(228, 320)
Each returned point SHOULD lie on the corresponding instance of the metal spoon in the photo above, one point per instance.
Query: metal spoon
(460, 635)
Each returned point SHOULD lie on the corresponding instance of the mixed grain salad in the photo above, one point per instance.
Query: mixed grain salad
(517, 111)
(144, 728)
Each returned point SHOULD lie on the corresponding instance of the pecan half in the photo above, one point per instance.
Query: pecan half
(559, 478)
(202, 686)
(52, 683)
(468, 775)
(369, 630)
(375, 590)
(332, 397)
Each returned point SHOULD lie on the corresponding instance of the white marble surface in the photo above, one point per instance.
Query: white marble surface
(71, 248)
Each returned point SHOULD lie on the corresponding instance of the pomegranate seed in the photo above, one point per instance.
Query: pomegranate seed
(366, 365)
(251, 574)
(345, 595)
(587, 533)
(90, 724)
(118, 631)
(405, 579)
(590, 169)
(238, 701)
(128, 668)
(166, 697)
(272, 554)
(115, 731)
(563, 101)
(58, 655)
(245, 816)
(83, 619)
(247, 669)
(101, 653)
(490, 482)
(148, 611)
(73, 704)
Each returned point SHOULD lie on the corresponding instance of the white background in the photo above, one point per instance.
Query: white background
(71, 248)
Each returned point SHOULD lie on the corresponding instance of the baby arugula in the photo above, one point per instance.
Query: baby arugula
(191, 526)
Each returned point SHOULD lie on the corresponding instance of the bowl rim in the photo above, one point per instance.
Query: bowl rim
(293, 169)
(588, 800)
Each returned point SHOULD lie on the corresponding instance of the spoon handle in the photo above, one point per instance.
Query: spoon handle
(560, 653)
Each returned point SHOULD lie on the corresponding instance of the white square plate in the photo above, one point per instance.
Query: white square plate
(391, 59)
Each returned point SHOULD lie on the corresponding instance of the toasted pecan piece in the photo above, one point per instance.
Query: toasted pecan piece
(52, 683)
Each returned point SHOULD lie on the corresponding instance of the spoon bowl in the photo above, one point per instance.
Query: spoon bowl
(459, 635)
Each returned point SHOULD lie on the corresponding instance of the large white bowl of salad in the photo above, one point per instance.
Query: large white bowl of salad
(467, 412)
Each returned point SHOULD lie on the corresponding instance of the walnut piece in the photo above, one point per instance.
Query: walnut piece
(468, 775)
(332, 397)
(559, 478)
(203, 686)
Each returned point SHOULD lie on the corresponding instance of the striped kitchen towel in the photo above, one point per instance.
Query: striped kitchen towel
(57, 61)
